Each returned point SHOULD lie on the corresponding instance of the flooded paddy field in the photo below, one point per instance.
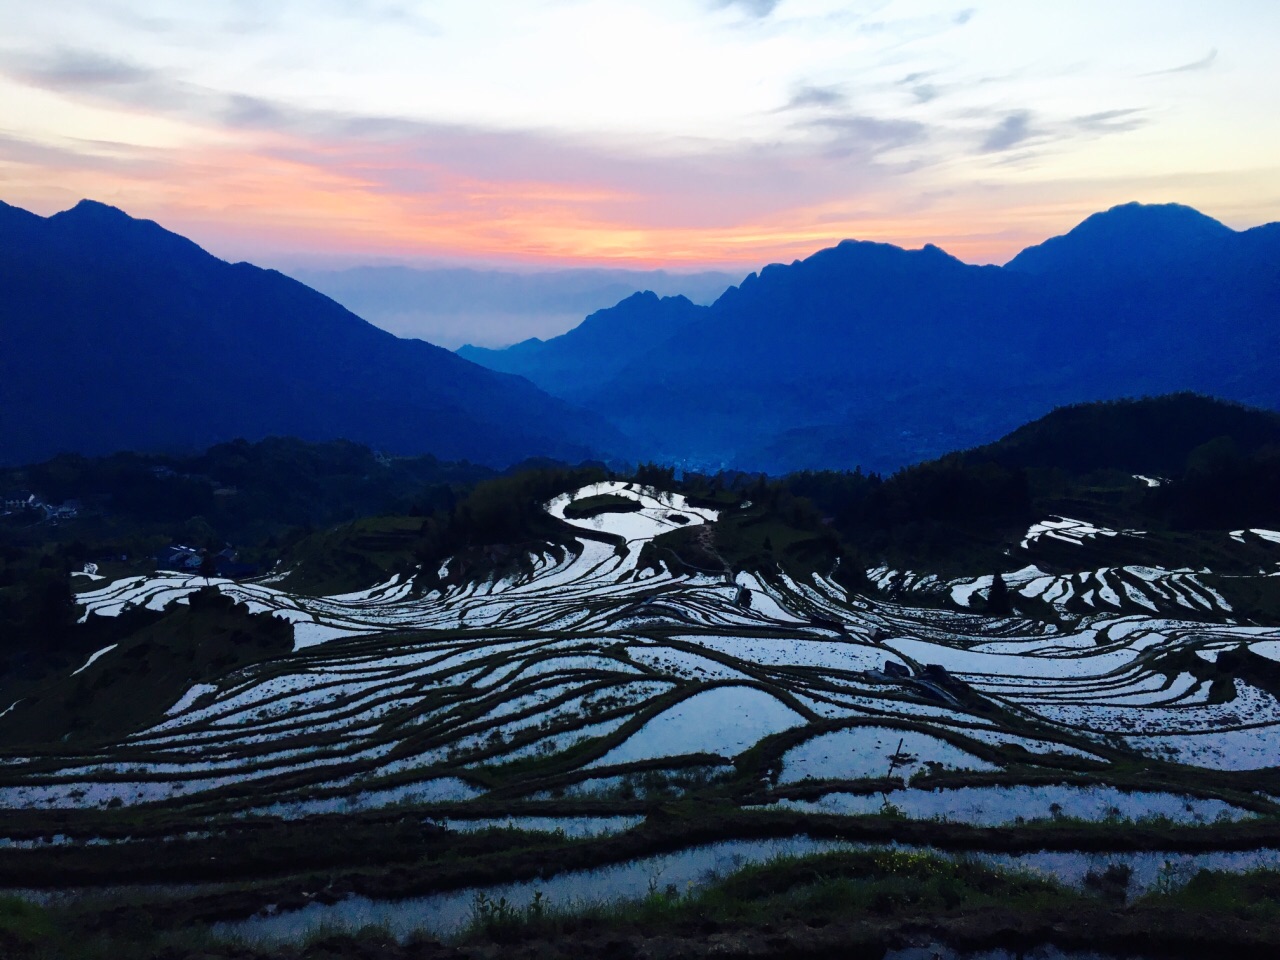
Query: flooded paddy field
(594, 725)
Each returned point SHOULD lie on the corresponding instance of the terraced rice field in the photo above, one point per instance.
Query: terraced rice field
(589, 669)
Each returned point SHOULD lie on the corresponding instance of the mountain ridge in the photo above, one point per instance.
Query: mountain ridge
(1142, 434)
(587, 356)
(121, 334)
(1169, 233)
(868, 354)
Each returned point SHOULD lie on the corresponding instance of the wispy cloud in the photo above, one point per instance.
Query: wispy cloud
(808, 96)
(752, 8)
(239, 19)
(1110, 121)
(1204, 63)
(65, 70)
(20, 150)
(401, 14)
(921, 86)
(867, 137)
(1021, 128)
(1009, 132)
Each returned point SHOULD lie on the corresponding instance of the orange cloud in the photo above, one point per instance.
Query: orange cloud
(270, 194)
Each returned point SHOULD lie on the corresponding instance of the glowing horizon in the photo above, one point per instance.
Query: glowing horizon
(679, 134)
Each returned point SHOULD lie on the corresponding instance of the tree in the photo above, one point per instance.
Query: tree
(208, 566)
(998, 597)
(656, 476)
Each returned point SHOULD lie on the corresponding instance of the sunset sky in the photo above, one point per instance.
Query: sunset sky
(673, 133)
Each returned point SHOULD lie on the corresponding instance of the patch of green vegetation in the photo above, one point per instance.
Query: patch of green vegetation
(782, 531)
(1252, 598)
(30, 932)
(132, 685)
(844, 903)
(240, 491)
(352, 556)
(946, 515)
(603, 503)
(501, 520)
(1252, 897)
(22, 923)
(862, 897)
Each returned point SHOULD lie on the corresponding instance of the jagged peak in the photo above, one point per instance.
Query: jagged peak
(854, 255)
(648, 296)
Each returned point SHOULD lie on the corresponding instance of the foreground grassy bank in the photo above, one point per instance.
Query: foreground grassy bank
(399, 854)
(857, 903)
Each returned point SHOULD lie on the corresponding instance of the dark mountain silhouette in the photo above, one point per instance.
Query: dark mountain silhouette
(867, 354)
(1155, 436)
(1218, 465)
(119, 334)
(1134, 237)
(591, 354)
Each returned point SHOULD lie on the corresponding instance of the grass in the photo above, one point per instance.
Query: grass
(398, 852)
(878, 883)
(32, 932)
(23, 923)
(854, 896)
(1252, 896)
(867, 892)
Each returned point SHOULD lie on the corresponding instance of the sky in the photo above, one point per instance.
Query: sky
(677, 134)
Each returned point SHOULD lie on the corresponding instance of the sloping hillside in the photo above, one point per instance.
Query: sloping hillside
(121, 335)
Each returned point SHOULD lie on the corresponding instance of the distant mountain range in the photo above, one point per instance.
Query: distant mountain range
(117, 334)
(460, 305)
(868, 354)
(590, 356)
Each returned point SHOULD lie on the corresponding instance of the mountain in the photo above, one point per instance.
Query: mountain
(586, 358)
(1153, 435)
(1131, 237)
(118, 334)
(867, 354)
(459, 305)
(840, 338)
